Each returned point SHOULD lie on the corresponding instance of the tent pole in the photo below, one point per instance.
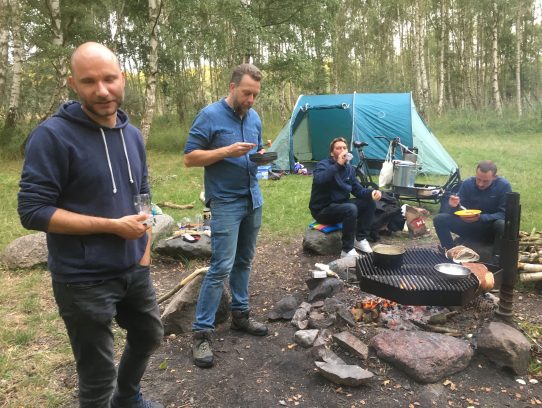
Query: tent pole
(353, 121)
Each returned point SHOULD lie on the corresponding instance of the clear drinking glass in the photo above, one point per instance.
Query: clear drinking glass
(142, 204)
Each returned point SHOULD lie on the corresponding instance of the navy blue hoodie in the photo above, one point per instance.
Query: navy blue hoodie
(333, 184)
(75, 164)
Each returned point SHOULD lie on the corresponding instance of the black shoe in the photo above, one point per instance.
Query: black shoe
(240, 320)
(140, 402)
(201, 349)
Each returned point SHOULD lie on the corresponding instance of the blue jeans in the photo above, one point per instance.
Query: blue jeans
(88, 310)
(445, 224)
(234, 229)
(356, 215)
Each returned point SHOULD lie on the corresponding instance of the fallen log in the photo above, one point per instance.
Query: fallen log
(169, 204)
(528, 267)
(530, 277)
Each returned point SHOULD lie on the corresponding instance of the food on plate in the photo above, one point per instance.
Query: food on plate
(467, 213)
(461, 253)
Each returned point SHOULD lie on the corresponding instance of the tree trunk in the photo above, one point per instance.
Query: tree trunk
(518, 59)
(442, 65)
(150, 92)
(61, 64)
(4, 36)
(14, 98)
(495, 59)
(417, 59)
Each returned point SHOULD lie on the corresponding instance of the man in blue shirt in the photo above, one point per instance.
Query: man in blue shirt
(486, 192)
(220, 139)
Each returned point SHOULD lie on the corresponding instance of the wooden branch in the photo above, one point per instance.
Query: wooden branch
(182, 283)
(528, 267)
(530, 277)
(169, 204)
(437, 329)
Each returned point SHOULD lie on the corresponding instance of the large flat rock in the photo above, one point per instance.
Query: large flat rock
(426, 357)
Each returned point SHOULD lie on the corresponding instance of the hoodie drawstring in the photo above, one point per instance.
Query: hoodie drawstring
(109, 160)
(126, 155)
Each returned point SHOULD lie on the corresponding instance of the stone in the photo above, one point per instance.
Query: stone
(323, 288)
(300, 319)
(426, 357)
(321, 243)
(285, 309)
(326, 355)
(350, 342)
(162, 228)
(320, 321)
(178, 248)
(332, 305)
(433, 395)
(345, 268)
(505, 346)
(26, 251)
(179, 313)
(324, 337)
(305, 338)
(344, 374)
(345, 318)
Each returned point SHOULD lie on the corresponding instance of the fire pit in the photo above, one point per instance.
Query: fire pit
(416, 282)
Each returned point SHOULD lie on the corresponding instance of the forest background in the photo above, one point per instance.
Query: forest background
(454, 55)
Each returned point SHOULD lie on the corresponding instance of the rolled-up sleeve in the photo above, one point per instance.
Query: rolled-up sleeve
(199, 135)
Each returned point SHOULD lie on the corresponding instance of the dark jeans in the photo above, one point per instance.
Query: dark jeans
(356, 215)
(88, 310)
(445, 224)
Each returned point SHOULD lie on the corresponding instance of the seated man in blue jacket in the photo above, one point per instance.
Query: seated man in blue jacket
(334, 179)
(486, 192)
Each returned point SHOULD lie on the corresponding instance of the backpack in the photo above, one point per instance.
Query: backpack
(388, 216)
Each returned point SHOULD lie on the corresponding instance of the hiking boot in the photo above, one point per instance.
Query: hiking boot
(201, 349)
(140, 402)
(240, 320)
(363, 246)
(351, 253)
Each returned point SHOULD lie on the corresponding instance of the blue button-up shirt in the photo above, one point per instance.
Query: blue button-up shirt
(217, 126)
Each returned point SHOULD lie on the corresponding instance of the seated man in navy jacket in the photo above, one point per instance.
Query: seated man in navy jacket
(334, 179)
(486, 192)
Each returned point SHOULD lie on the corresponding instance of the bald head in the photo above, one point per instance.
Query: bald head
(91, 51)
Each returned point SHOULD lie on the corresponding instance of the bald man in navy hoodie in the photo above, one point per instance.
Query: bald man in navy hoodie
(82, 168)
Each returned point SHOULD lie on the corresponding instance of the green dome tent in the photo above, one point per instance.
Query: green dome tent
(317, 119)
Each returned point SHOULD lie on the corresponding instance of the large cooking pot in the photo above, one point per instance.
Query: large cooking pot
(404, 174)
(388, 256)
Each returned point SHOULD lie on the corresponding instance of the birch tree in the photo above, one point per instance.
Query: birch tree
(4, 36)
(60, 63)
(15, 94)
(519, 14)
(152, 74)
(495, 62)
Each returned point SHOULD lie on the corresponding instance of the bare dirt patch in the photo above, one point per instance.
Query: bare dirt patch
(273, 371)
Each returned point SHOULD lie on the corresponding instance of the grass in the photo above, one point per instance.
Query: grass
(35, 355)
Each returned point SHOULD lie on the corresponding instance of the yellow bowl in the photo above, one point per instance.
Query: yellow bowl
(467, 213)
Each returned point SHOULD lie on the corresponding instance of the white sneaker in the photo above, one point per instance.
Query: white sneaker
(363, 246)
(352, 252)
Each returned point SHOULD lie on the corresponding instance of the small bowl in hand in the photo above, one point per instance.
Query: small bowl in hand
(468, 214)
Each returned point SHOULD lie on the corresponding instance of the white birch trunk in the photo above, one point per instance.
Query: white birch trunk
(495, 58)
(518, 60)
(15, 94)
(4, 46)
(150, 98)
(61, 63)
(442, 65)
